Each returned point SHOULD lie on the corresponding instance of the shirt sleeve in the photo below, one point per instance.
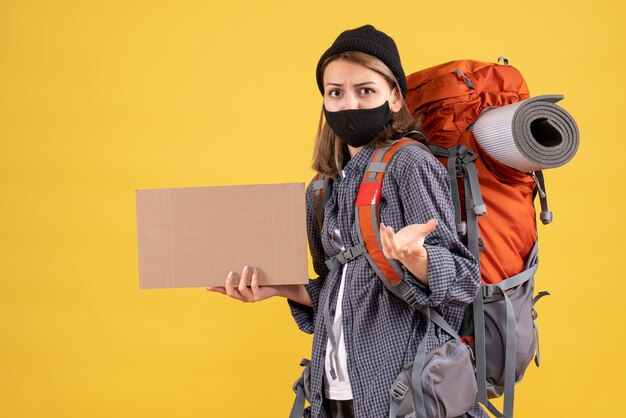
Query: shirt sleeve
(304, 315)
(424, 192)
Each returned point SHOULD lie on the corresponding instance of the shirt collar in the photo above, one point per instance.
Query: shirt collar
(361, 160)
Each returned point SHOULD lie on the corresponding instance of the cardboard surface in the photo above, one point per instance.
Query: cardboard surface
(194, 236)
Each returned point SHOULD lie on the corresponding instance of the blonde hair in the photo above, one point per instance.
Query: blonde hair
(329, 151)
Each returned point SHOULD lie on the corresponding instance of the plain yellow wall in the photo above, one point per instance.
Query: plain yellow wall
(98, 99)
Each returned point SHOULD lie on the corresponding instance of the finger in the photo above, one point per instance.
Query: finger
(243, 285)
(382, 232)
(230, 289)
(429, 226)
(391, 246)
(396, 251)
(218, 289)
(254, 284)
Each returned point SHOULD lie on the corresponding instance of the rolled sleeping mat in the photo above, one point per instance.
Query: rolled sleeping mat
(530, 135)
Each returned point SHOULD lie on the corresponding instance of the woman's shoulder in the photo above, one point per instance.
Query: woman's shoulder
(414, 156)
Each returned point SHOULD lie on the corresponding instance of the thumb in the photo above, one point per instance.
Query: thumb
(430, 226)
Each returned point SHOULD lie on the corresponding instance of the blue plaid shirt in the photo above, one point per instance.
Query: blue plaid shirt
(381, 331)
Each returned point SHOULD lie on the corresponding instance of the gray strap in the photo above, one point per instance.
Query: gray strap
(472, 222)
(461, 226)
(416, 373)
(537, 355)
(481, 357)
(346, 255)
(334, 264)
(393, 409)
(468, 82)
(379, 158)
(418, 133)
(535, 328)
(327, 321)
(418, 142)
(469, 169)
(537, 297)
(546, 215)
(479, 348)
(479, 206)
(518, 279)
(404, 292)
(509, 360)
(451, 154)
(441, 151)
(377, 167)
(509, 356)
(297, 410)
(320, 184)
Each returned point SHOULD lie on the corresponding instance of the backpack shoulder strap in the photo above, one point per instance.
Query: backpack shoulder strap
(321, 192)
(367, 219)
(366, 213)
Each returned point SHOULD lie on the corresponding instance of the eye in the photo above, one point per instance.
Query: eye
(366, 91)
(334, 93)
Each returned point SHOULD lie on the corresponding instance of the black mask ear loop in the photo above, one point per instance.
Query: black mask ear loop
(391, 94)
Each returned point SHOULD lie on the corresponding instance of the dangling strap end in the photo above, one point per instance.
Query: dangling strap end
(480, 210)
(546, 217)
(461, 228)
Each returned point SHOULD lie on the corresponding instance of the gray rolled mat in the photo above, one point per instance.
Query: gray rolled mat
(529, 135)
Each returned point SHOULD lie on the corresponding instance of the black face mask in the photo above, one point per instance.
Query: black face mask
(357, 127)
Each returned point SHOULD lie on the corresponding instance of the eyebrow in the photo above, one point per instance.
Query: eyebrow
(356, 85)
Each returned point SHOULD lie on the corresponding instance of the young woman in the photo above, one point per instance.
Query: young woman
(375, 333)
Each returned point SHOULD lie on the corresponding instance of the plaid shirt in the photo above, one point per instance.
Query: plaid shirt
(381, 331)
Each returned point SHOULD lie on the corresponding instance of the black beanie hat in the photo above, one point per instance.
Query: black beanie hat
(371, 41)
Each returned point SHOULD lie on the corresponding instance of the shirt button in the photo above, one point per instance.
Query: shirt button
(332, 312)
(318, 396)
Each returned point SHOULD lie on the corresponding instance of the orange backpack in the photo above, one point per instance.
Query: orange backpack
(495, 216)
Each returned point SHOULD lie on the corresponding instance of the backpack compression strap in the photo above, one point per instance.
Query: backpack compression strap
(510, 342)
(461, 162)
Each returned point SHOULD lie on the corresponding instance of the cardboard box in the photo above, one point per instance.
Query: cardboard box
(194, 236)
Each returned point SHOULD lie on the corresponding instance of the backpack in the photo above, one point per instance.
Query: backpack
(499, 325)
(495, 216)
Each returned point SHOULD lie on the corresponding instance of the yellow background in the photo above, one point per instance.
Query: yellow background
(98, 99)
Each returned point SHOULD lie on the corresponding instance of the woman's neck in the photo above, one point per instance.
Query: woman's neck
(353, 151)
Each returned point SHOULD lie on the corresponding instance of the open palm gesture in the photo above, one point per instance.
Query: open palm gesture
(408, 242)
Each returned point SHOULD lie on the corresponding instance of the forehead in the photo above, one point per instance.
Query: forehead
(341, 71)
